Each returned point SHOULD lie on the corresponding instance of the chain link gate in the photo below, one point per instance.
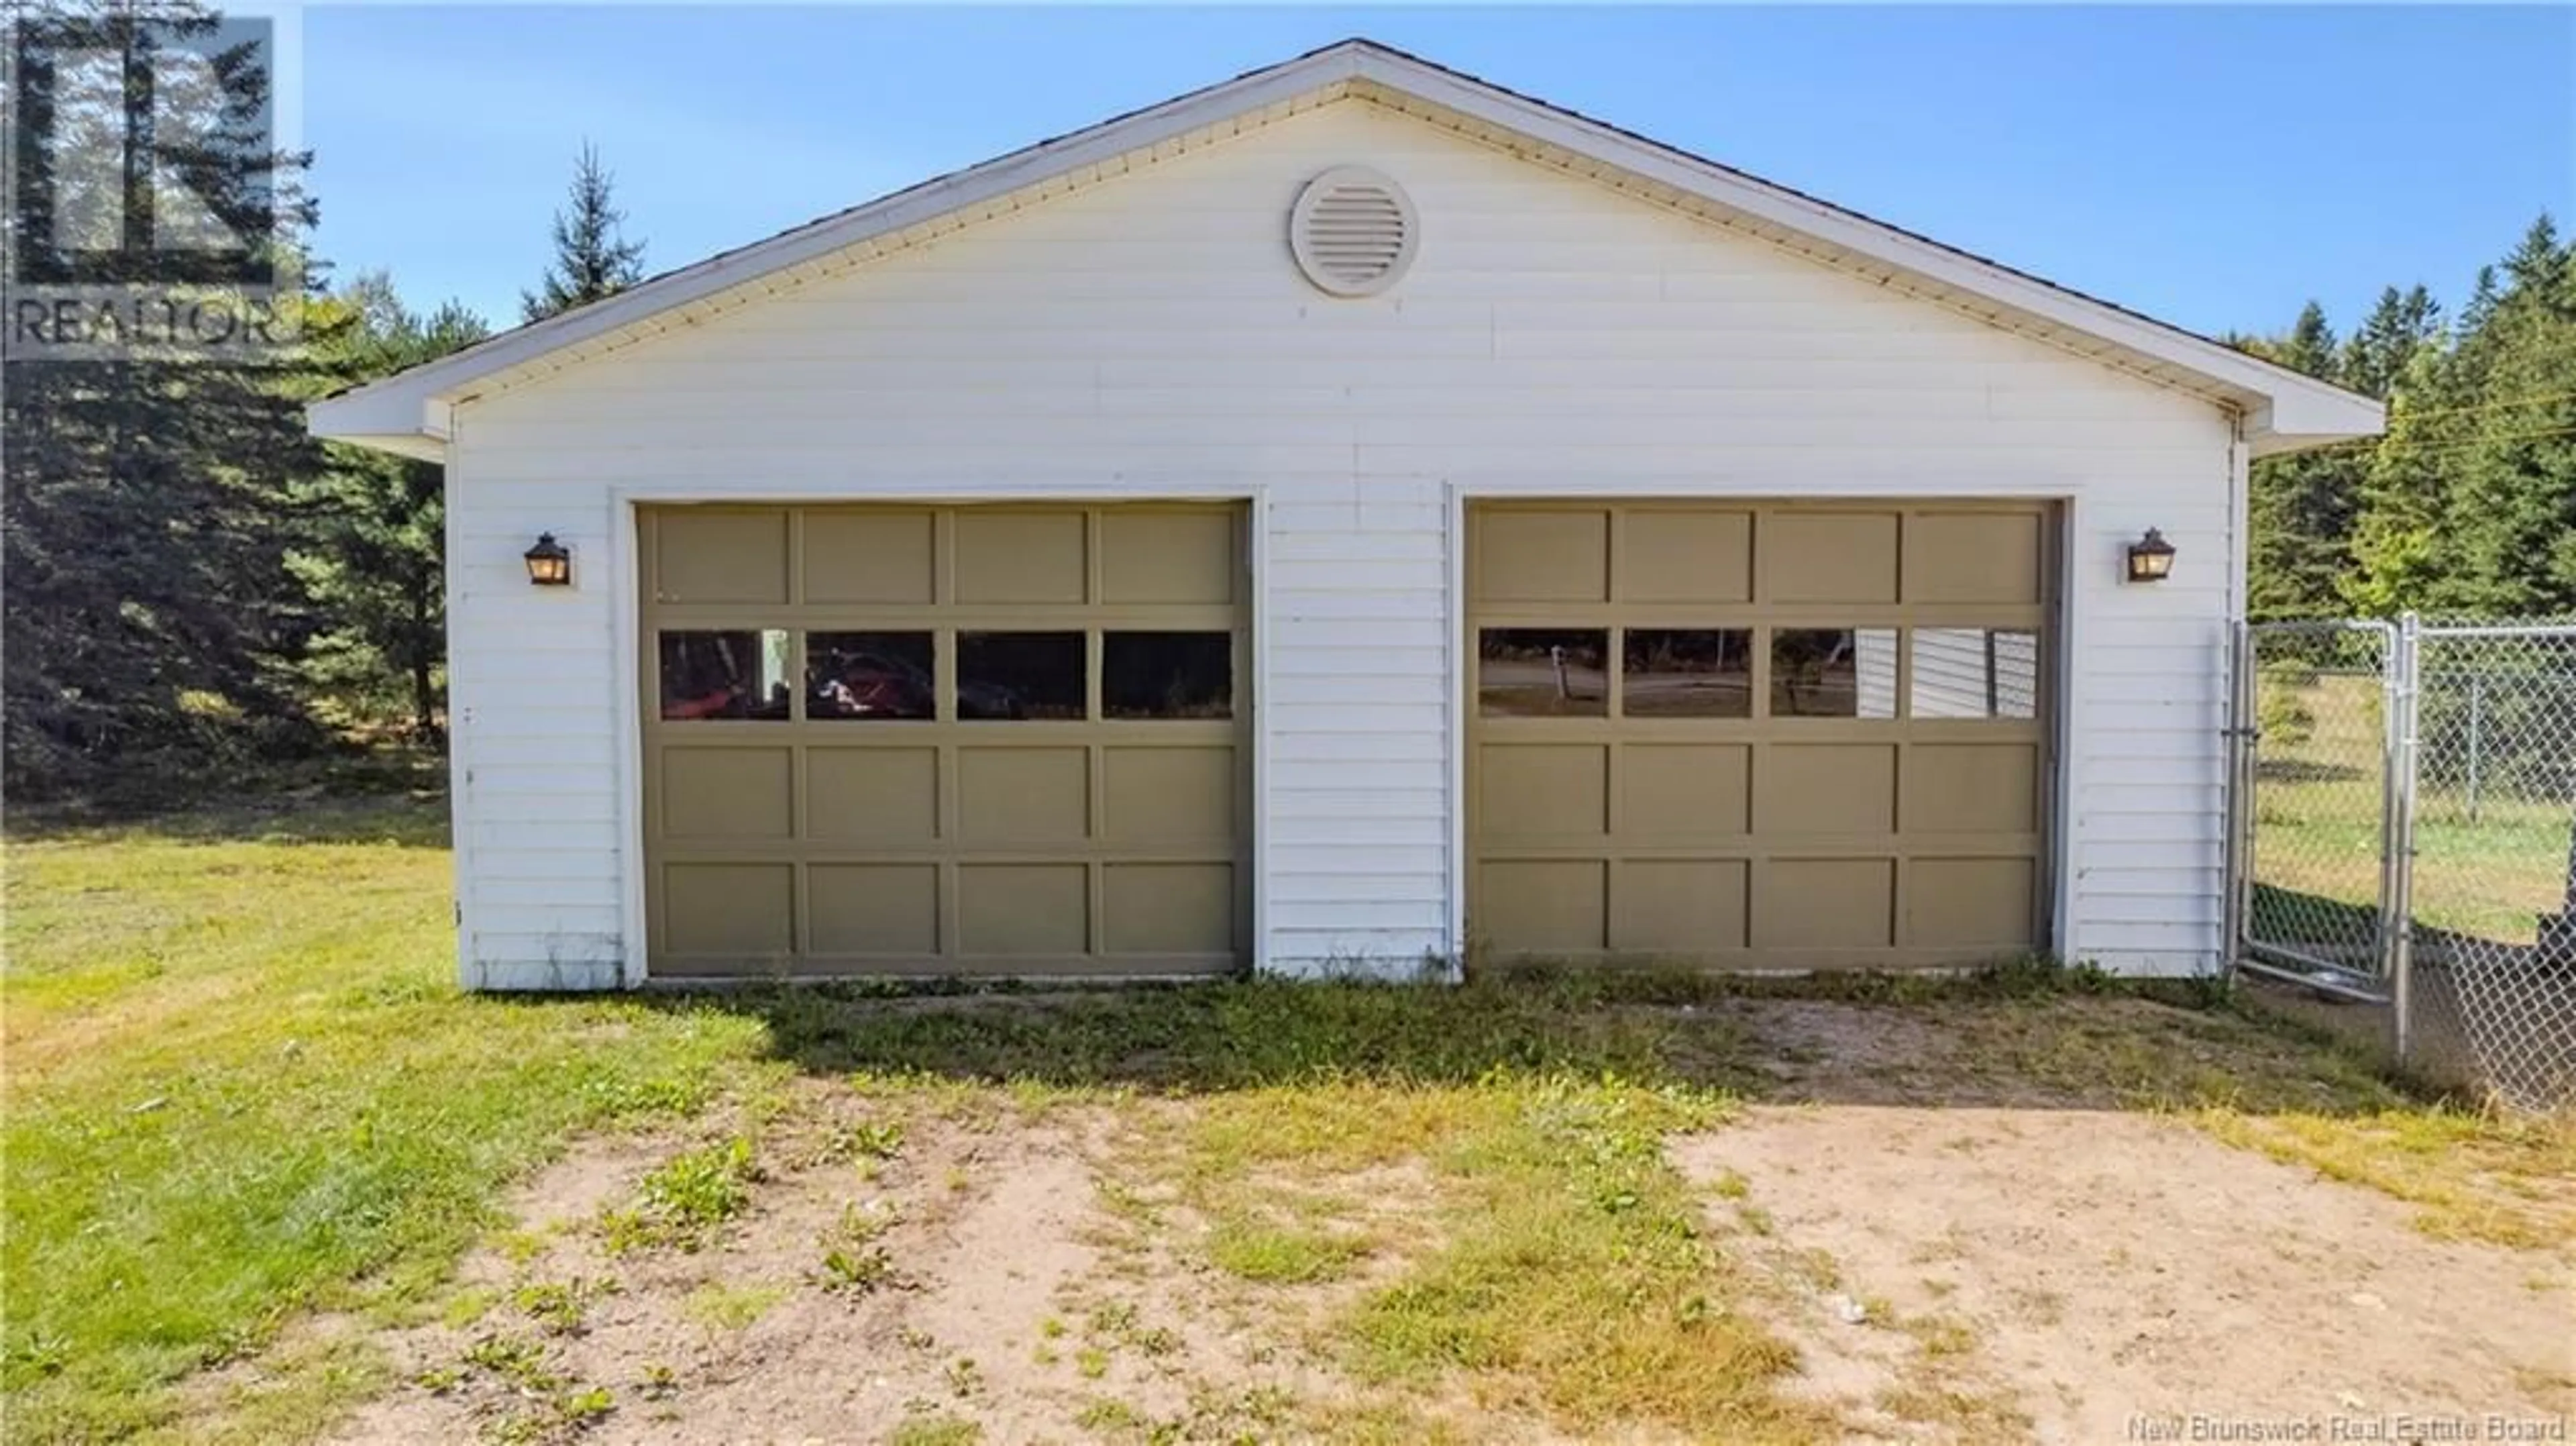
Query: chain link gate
(2403, 833)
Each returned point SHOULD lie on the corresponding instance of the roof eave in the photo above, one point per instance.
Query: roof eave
(2284, 410)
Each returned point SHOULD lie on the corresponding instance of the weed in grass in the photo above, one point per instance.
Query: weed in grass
(580, 1408)
(935, 1430)
(521, 1362)
(1108, 1416)
(1282, 1255)
(721, 1307)
(467, 1305)
(560, 1307)
(857, 1270)
(1939, 1336)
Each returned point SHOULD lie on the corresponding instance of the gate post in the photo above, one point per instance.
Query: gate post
(2236, 865)
(2404, 693)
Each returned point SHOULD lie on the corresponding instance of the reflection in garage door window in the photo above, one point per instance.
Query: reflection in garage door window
(869, 676)
(1686, 673)
(1833, 673)
(735, 673)
(1020, 675)
(1167, 675)
(1543, 672)
(1975, 673)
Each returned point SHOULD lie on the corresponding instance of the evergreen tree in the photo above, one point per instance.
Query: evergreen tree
(372, 560)
(593, 258)
(2304, 507)
(147, 604)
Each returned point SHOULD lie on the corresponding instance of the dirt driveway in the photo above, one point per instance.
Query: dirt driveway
(1932, 1223)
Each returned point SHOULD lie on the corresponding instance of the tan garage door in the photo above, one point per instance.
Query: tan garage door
(1758, 735)
(884, 740)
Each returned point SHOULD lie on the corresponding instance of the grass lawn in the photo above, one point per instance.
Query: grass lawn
(241, 1081)
(243, 1092)
(2490, 873)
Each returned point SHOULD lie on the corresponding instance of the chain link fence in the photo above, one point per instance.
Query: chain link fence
(2407, 837)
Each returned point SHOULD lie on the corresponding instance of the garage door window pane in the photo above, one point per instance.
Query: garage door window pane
(1833, 673)
(1687, 673)
(1167, 675)
(1543, 672)
(1975, 673)
(736, 673)
(875, 677)
(1020, 675)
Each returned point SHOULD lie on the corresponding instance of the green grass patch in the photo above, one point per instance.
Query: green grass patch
(243, 1081)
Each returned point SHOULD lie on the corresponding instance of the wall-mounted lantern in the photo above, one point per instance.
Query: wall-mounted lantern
(2151, 558)
(549, 562)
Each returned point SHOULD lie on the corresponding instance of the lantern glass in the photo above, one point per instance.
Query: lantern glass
(549, 563)
(2151, 558)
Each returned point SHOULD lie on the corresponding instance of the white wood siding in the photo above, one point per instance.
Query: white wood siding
(1150, 336)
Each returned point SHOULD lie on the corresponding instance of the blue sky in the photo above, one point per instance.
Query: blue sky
(2212, 166)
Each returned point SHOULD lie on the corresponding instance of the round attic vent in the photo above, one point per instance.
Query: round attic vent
(1353, 231)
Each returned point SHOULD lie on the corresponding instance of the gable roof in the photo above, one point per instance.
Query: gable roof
(2283, 409)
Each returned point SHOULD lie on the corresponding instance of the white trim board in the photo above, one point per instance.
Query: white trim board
(411, 412)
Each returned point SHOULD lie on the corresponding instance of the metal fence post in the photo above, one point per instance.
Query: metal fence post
(2404, 693)
(2477, 736)
(2236, 873)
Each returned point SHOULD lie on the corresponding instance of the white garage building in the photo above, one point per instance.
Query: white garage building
(1348, 516)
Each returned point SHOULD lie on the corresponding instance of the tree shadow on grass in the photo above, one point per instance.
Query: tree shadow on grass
(287, 814)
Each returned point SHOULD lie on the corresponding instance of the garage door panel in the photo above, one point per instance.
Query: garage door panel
(1023, 795)
(1542, 557)
(730, 911)
(1168, 908)
(1679, 906)
(1686, 555)
(1973, 557)
(873, 909)
(1971, 902)
(1829, 557)
(872, 795)
(728, 793)
(946, 739)
(870, 556)
(1169, 795)
(1827, 746)
(1684, 791)
(720, 557)
(1031, 909)
(1544, 790)
(1972, 788)
(1826, 788)
(1826, 903)
(1540, 906)
(1021, 557)
(1168, 557)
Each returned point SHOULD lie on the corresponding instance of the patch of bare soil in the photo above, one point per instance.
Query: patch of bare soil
(2067, 1275)
(1012, 1296)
